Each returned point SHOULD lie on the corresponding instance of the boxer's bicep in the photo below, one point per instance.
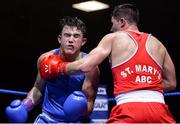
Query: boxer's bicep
(90, 87)
(169, 75)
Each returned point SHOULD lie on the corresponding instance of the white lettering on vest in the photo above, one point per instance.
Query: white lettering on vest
(141, 68)
(143, 79)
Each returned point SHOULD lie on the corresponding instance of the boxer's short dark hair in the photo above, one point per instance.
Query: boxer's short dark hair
(128, 11)
(72, 22)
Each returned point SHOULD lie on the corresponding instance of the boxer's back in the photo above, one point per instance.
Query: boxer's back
(124, 47)
(134, 66)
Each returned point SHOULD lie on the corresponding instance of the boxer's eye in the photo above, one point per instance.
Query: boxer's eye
(76, 35)
(67, 35)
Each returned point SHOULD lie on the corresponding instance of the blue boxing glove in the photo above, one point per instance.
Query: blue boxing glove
(75, 106)
(17, 112)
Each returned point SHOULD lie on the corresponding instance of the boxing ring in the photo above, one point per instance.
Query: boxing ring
(101, 110)
(21, 93)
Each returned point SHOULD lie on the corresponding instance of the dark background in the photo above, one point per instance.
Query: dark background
(28, 28)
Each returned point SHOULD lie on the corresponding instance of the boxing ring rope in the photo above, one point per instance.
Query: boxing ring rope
(5, 91)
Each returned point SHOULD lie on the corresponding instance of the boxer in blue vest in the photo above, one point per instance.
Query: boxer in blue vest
(66, 98)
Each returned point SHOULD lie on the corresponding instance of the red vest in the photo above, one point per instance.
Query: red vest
(140, 71)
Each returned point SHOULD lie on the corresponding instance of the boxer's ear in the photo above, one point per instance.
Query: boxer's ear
(122, 22)
(59, 38)
(84, 41)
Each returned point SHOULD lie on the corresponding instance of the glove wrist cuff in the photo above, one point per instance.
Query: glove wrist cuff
(62, 68)
(28, 104)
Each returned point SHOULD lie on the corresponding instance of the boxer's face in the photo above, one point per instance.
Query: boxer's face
(71, 40)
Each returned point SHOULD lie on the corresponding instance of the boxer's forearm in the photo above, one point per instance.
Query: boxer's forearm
(74, 68)
(36, 92)
(79, 67)
(87, 64)
(35, 95)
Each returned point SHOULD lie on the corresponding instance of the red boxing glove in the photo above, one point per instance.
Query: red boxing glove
(52, 67)
(48, 66)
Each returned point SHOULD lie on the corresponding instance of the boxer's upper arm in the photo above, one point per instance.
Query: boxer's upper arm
(169, 75)
(36, 92)
(90, 87)
(100, 52)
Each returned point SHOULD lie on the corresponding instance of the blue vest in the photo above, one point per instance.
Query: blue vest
(58, 90)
